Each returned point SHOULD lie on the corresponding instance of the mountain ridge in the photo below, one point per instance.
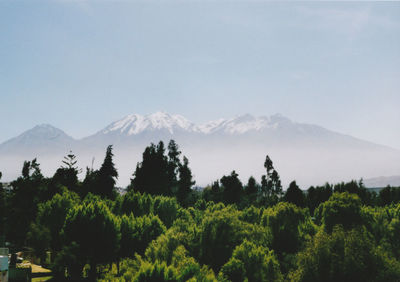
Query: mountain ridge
(135, 124)
(308, 153)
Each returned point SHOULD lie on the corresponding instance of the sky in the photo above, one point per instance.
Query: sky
(80, 65)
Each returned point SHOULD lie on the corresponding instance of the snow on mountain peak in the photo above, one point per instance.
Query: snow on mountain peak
(135, 123)
(243, 123)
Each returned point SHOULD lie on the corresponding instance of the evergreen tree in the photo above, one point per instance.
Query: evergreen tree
(156, 174)
(295, 195)
(67, 174)
(107, 175)
(251, 187)
(27, 191)
(174, 165)
(317, 195)
(185, 182)
(233, 188)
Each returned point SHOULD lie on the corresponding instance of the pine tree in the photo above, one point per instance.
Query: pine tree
(185, 182)
(67, 174)
(233, 188)
(174, 164)
(157, 173)
(107, 176)
(295, 195)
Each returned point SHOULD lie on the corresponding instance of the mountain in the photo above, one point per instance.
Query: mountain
(307, 153)
(136, 124)
(42, 138)
(382, 181)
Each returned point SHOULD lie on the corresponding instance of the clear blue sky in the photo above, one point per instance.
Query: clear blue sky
(80, 65)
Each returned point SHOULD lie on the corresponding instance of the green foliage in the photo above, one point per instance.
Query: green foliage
(27, 191)
(69, 259)
(344, 256)
(96, 230)
(290, 226)
(389, 195)
(163, 248)
(166, 208)
(136, 203)
(221, 231)
(253, 263)
(137, 233)
(317, 195)
(252, 214)
(233, 270)
(341, 208)
(39, 237)
(248, 233)
(52, 214)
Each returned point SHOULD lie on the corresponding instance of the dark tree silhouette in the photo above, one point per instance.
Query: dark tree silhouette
(107, 176)
(154, 174)
(252, 186)
(185, 182)
(271, 188)
(232, 188)
(67, 174)
(295, 195)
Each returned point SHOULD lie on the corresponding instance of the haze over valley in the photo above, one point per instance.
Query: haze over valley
(307, 153)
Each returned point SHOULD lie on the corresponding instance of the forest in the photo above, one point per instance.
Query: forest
(162, 228)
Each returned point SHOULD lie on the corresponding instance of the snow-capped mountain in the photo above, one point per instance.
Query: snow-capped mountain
(307, 153)
(42, 137)
(244, 123)
(135, 124)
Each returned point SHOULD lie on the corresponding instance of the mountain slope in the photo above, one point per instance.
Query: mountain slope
(307, 153)
(41, 138)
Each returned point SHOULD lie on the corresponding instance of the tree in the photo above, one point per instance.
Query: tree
(166, 208)
(107, 176)
(317, 195)
(221, 231)
(289, 226)
(232, 188)
(174, 163)
(185, 182)
(252, 263)
(27, 191)
(341, 208)
(67, 174)
(96, 231)
(295, 195)
(153, 174)
(344, 256)
(271, 187)
(252, 186)
(136, 203)
(52, 214)
(89, 184)
(138, 232)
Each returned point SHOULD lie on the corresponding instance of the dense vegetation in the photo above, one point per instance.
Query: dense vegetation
(163, 230)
